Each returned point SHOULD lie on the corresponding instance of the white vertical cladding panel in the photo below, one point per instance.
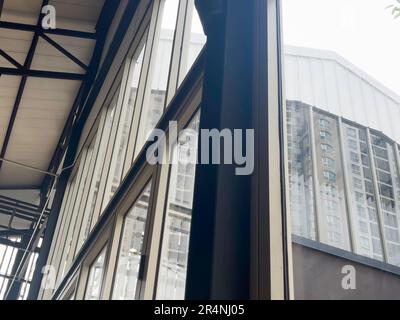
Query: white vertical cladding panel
(346, 102)
(357, 98)
(292, 88)
(387, 119)
(318, 84)
(331, 87)
(328, 82)
(394, 112)
(305, 81)
(371, 112)
(383, 114)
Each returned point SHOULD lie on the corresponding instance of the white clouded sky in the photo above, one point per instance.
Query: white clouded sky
(362, 31)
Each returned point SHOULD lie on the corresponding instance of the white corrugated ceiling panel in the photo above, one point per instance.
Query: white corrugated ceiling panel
(42, 114)
(16, 44)
(8, 90)
(77, 14)
(21, 11)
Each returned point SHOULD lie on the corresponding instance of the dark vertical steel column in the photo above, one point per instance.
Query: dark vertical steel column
(219, 256)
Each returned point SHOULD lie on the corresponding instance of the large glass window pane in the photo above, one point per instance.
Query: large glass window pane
(194, 41)
(74, 211)
(95, 280)
(131, 249)
(83, 215)
(342, 94)
(332, 220)
(97, 175)
(384, 154)
(362, 202)
(54, 247)
(157, 81)
(300, 170)
(59, 249)
(80, 200)
(124, 127)
(175, 240)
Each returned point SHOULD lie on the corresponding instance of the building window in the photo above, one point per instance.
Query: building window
(330, 176)
(157, 79)
(326, 147)
(115, 172)
(325, 135)
(351, 132)
(324, 123)
(91, 215)
(131, 249)
(193, 41)
(95, 280)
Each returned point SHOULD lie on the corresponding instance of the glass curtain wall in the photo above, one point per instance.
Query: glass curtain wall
(124, 123)
(332, 220)
(362, 202)
(361, 205)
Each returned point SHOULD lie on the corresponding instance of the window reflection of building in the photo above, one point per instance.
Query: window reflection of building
(330, 179)
(387, 178)
(157, 81)
(331, 186)
(175, 246)
(93, 288)
(300, 171)
(355, 165)
(125, 125)
(363, 200)
(131, 247)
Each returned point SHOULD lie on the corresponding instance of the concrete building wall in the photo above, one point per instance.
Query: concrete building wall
(318, 275)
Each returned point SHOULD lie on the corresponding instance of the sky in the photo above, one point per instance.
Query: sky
(361, 31)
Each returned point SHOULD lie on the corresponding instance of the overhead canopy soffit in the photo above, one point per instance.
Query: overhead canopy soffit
(41, 72)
